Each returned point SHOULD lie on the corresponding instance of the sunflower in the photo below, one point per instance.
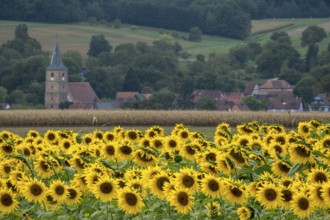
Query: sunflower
(8, 202)
(316, 195)
(269, 196)
(77, 163)
(92, 177)
(280, 168)
(172, 144)
(305, 128)
(130, 201)
(108, 150)
(138, 185)
(74, 195)
(34, 191)
(238, 156)
(211, 186)
(213, 209)
(6, 149)
(157, 143)
(144, 158)
(242, 140)
(187, 179)
(6, 168)
(224, 126)
(256, 144)
(223, 165)
(109, 136)
(17, 177)
(58, 190)
(301, 205)
(88, 138)
(32, 133)
(154, 131)
(105, 189)
(132, 136)
(300, 153)
(318, 175)
(43, 168)
(157, 182)
(286, 194)
(79, 181)
(245, 213)
(183, 134)
(65, 144)
(182, 200)
(235, 192)
(189, 150)
(209, 168)
(151, 171)
(125, 150)
(51, 136)
(276, 150)
(325, 193)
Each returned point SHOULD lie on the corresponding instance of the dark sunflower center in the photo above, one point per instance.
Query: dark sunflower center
(211, 157)
(59, 190)
(302, 151)
(26, 152)
(7, 169)
(110, 150)
(270, 194)
(190, 150)
(305, 129)
(126, 150)
(146, 143)
(66, 145)
(50, 199)
(7, 148)
(172, 143)
(287, 195)
(278, 149)
(283, 167)
(183, 198)
(35, 189)
(131, 199)
(151, 134)
(320, 177)
(244, 142)
(213, 185)
(188, 181)
(6, 199)
(287, 183)
(237, 156)
(319, 193)
(99, 136)
(80, 163)
(281, 140)
(44, 166)
(326, 143)
(184, 135)
(106, 188)
(72, 193)
(236, 191)
(160, 182)
(110, 137)
(132, 135)
(158, 143)
(303, 203)
(88, 140)
(51, 137)
(144, 157)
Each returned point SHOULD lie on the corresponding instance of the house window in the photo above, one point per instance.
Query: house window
(51, 98)
(63, 77)
(51, 106)
(52, 87)
(52, 76)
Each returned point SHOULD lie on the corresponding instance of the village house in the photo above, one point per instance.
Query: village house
(321, 102)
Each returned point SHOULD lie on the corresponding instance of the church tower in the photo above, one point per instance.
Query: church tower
(56, 90)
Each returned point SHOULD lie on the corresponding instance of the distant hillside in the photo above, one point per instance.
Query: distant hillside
(77, 36)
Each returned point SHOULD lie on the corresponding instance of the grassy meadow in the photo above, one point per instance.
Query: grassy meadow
(77, 36)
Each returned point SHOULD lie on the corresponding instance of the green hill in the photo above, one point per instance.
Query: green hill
(77, 36)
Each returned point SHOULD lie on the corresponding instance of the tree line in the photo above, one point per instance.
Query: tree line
(230, 18)
(162, 69)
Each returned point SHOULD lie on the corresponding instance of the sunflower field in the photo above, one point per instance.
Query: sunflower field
(251, 171)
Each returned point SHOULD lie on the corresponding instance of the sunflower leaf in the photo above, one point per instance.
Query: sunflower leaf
(320, 154)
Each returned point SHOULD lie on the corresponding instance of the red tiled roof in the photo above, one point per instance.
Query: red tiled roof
(81, 92)
(276, 84)
(325, 97)
(126, 95)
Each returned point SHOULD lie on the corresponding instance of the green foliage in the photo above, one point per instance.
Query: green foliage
(131, 82)
(305, 88)
(195, 34)
(254, 104)
(206, 104)
(312, 35)
(98, 44)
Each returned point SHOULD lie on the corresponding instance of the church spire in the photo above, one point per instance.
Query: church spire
(56, 61)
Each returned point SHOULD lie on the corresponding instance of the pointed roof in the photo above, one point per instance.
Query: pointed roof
(56, 61)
